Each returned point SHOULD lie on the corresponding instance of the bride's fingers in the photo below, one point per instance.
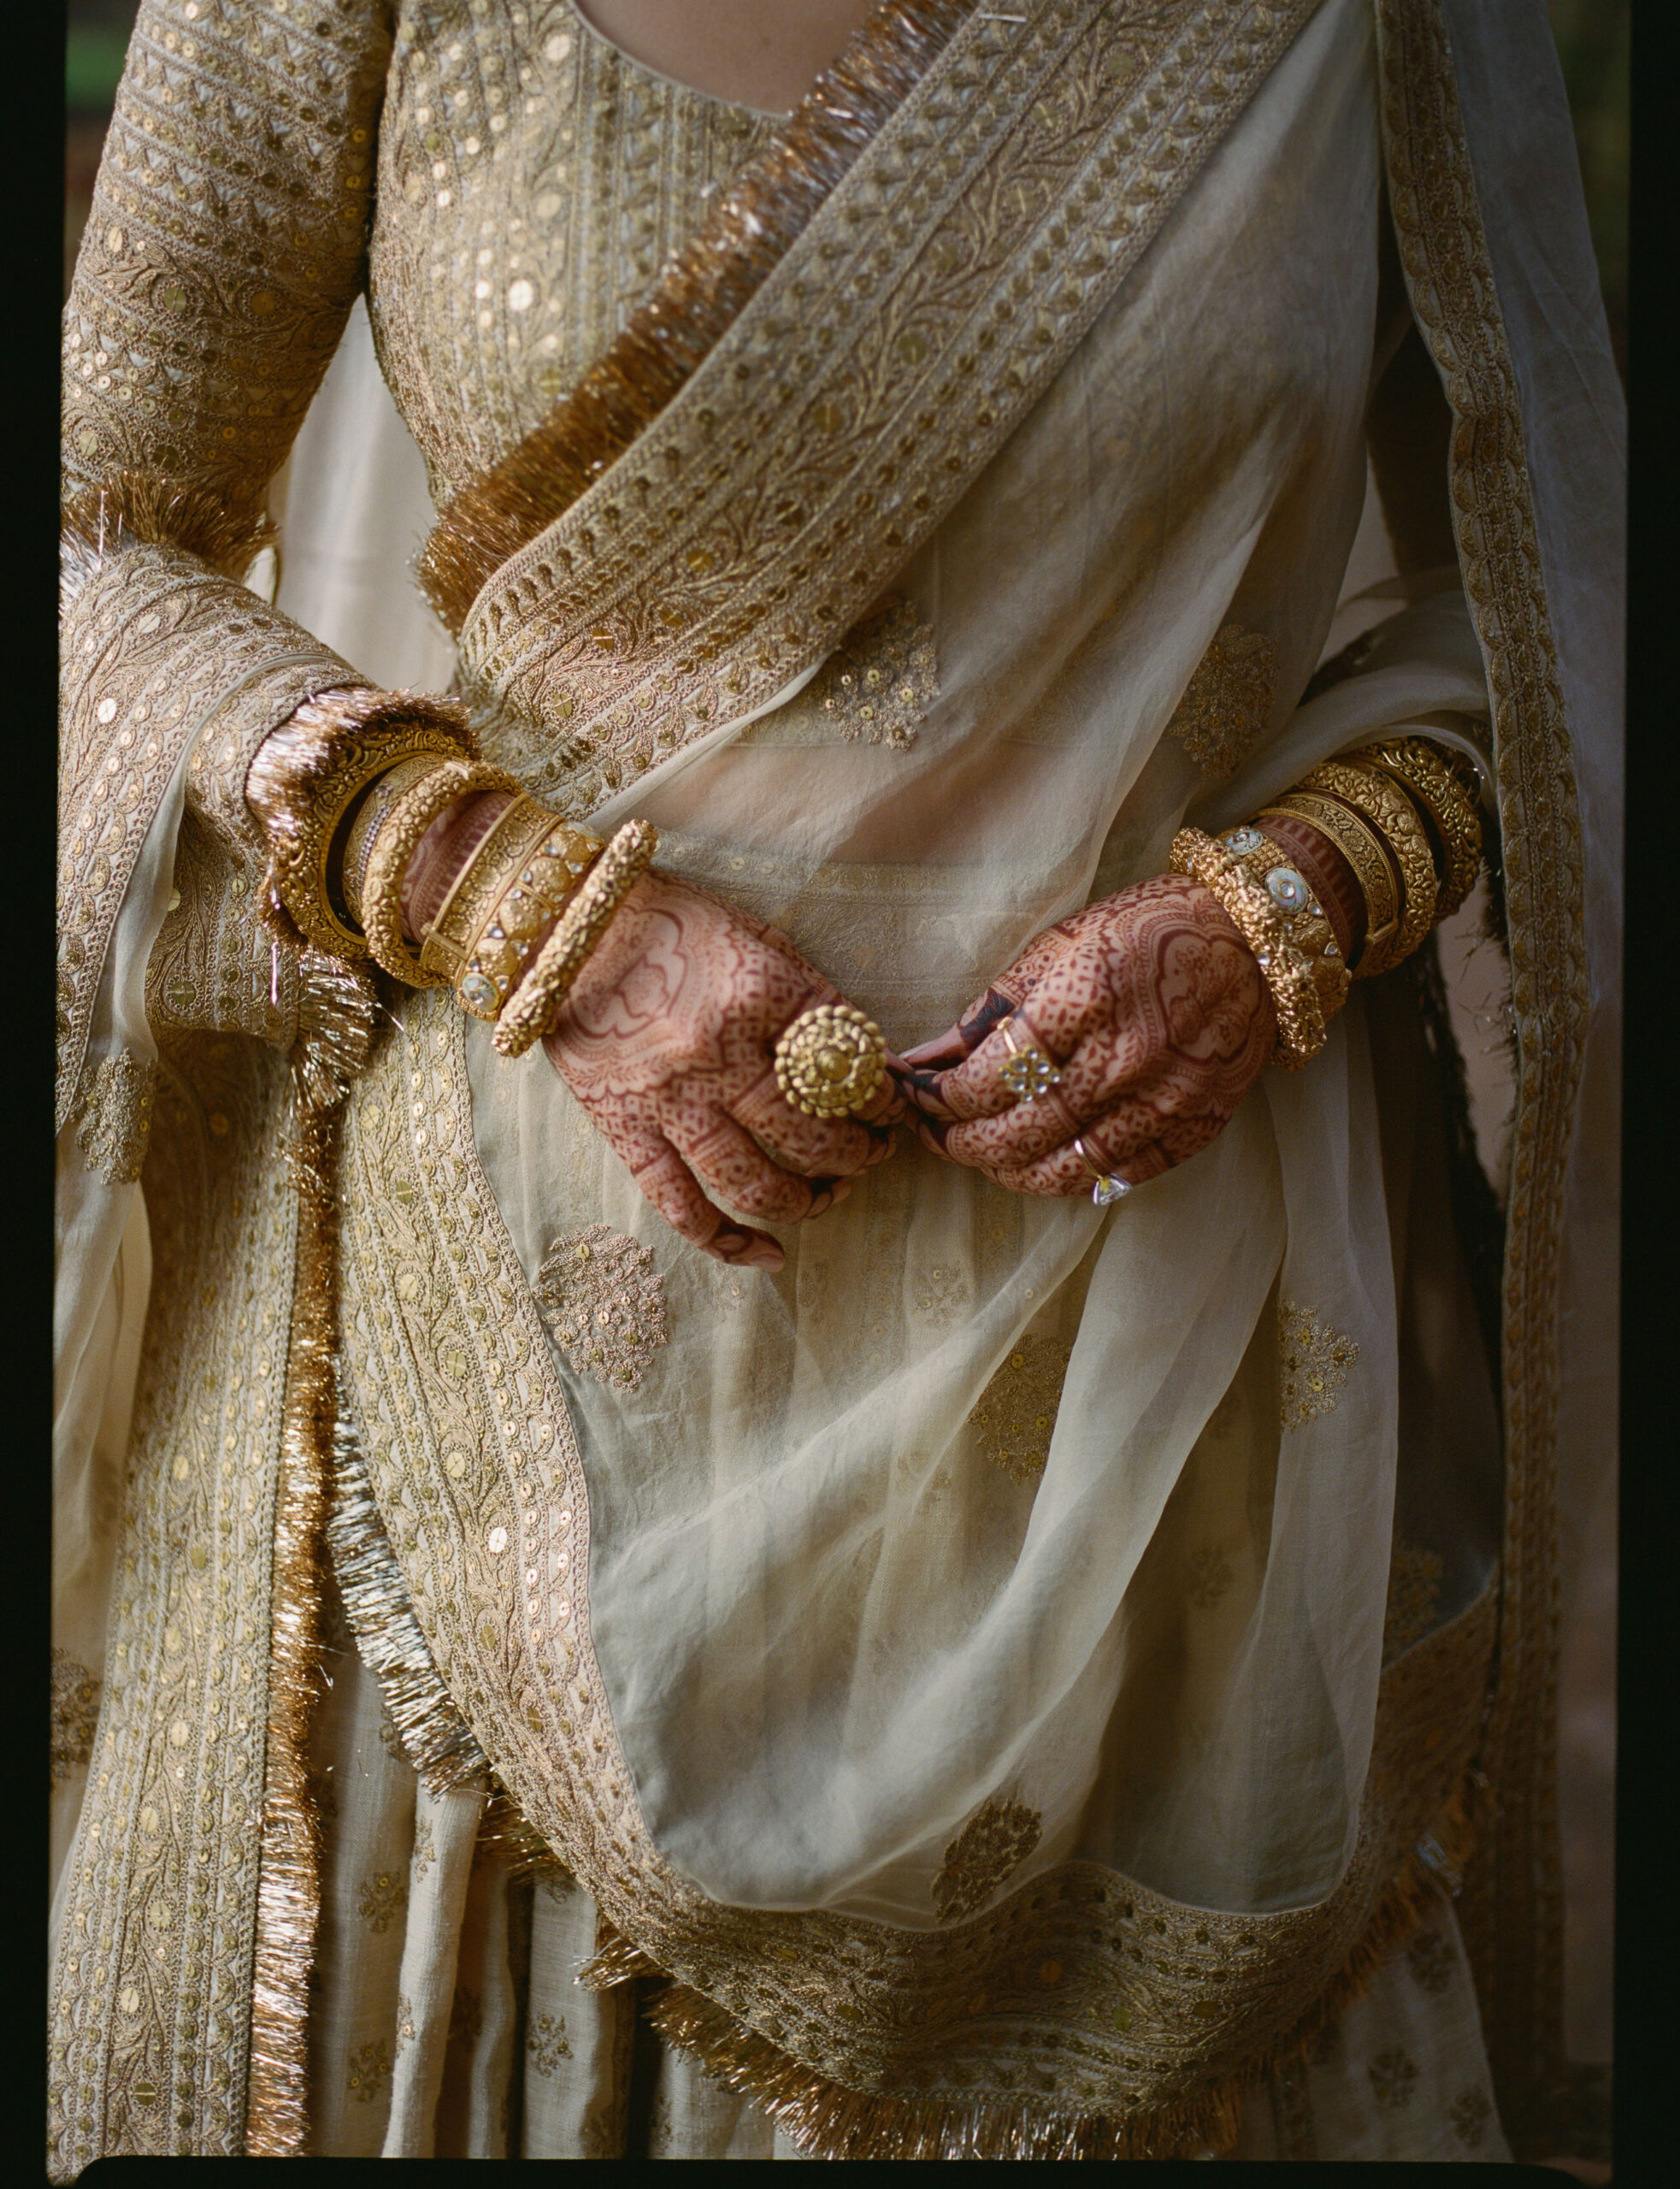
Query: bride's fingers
(976, 1087)
(672, 1188)
(731, 1164)
(1064, 1172)
(962, 1039)
(811, 1147)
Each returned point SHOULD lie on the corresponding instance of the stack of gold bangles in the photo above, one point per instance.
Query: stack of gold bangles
(1405, 818)
(357, 784)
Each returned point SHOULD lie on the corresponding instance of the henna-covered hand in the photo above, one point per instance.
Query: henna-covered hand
(1154, 1010)
(667, 1040)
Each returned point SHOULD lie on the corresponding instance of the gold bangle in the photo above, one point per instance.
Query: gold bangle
(376, 809)
(1386, 806)
(1362, 847)
(517, 911)
(306, 775)
(478, 880)
(576, 933)
(396, 840)
(1305, 923)
(1425, 773)
(1300, 1023)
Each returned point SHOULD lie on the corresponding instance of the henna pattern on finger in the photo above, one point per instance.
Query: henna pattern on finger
(1155, 1009)
(668, 1032)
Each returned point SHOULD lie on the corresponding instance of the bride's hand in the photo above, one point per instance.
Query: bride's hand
(1153, 1010)
(667, 1039)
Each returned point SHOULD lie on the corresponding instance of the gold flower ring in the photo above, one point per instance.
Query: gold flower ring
(1028, 1073)
(830, 1061)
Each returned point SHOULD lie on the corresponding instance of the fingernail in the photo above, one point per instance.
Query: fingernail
(840, 1189)
(762, 1253)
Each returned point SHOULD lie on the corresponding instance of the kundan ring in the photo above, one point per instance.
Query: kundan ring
(1028, 1072)
(1108, 1189)
(830, 1061)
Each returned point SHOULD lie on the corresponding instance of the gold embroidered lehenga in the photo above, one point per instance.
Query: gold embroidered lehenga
(1013, 1683)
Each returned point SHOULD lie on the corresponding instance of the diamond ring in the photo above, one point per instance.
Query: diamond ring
(1108, 1189)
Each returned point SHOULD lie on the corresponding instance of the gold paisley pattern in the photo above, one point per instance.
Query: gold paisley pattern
(985, 1854)
(1015, 1416)
(1227, 705)
(150, 2002)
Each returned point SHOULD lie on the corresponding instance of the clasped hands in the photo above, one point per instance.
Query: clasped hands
(1149, 1005)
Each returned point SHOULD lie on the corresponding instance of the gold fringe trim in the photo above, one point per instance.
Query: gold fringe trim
(337, 1012)
(506, 1835)
(703, 291)
(288, 1893)
(616, 1960)
(150, 509)
(436, 1738)
(828, 2121)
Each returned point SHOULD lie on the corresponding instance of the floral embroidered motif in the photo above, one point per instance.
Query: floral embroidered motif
(1414, 1598)
(368, 2070)
(604, 1301)
(384, 1896)
(116, 1118)
(425, 1852)
(1210, 1575)
(404, 2023)
(989, 1849)
(942, 1294)
(1472, 2110)
(1393, 2076)
(75, 1711)
(1016, 1413)
(1431, 1961)
(547, 2044)
(879, 682)
(1314, 1361)
(1227, 704)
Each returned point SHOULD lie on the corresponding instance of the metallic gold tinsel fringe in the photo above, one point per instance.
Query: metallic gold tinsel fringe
(507, 1835)
(436, 1738)
(829, 2122)
(288, 1895)
(148, 508)
(616, 1960)
(337, 1011)
(703, 291)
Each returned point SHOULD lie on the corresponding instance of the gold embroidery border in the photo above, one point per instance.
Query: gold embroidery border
(149, 2011)
(1514, 1914)
(744, 531)
(476, 1469)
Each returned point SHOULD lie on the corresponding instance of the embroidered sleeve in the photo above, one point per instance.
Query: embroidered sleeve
(225, 247)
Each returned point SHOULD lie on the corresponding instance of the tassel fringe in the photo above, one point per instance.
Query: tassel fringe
(337, 1011)
(150, 509)
(506, 1834)
(436, 1738)
(828, 2121)
(288, 1898)
(702, 293)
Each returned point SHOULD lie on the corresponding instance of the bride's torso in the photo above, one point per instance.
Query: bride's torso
(532, 181)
